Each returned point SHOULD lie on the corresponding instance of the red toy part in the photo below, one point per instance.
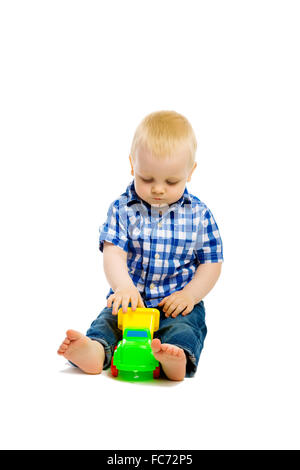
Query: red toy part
(156, 372)
(113, 368)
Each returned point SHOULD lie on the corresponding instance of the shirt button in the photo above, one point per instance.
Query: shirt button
(152, 286)
(156, 255)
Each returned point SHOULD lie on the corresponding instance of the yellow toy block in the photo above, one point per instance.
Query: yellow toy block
(139, 318)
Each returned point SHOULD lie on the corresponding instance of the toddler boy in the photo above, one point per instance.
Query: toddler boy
(161, 248)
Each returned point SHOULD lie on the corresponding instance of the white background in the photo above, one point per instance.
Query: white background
(76, 79)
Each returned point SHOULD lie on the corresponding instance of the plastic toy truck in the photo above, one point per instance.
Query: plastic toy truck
(133, 353)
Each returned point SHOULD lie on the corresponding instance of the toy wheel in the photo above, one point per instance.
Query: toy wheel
(156, 372)
(113, 368)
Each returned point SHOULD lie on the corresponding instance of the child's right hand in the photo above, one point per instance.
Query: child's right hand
(123, 296)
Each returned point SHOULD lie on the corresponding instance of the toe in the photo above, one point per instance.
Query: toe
(72, 335)
(156, 345)
(164, 347)
(62, 348)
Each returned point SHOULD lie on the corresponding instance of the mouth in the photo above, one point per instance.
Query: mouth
(157, 198)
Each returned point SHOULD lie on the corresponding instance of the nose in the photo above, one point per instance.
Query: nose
(157, 190)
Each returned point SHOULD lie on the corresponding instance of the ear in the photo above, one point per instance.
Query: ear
(192, 171)
(132, 170)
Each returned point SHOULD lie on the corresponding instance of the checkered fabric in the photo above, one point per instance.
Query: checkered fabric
(164, 245)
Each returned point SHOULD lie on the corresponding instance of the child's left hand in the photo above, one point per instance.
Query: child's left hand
(178, 302)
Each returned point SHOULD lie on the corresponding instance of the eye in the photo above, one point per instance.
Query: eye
(146, 181)
(171, 183)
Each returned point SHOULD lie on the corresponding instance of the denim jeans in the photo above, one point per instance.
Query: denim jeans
(187, 332)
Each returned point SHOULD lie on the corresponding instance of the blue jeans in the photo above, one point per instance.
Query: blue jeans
(188, 333)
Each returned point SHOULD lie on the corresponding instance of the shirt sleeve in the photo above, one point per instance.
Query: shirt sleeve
(114, 229)
(209, 247)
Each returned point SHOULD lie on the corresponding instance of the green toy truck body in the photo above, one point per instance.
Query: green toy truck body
(134, 352)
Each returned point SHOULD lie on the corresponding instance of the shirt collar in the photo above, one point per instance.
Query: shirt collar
(132, 196)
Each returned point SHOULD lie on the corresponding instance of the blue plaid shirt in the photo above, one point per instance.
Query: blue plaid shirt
(164, 245)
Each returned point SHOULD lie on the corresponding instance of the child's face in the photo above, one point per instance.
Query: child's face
(161, 181)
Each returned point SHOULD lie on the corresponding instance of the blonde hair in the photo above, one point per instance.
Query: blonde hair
(162, 132)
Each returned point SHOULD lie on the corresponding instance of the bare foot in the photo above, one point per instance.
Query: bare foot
(172, 359)
(86, 353)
